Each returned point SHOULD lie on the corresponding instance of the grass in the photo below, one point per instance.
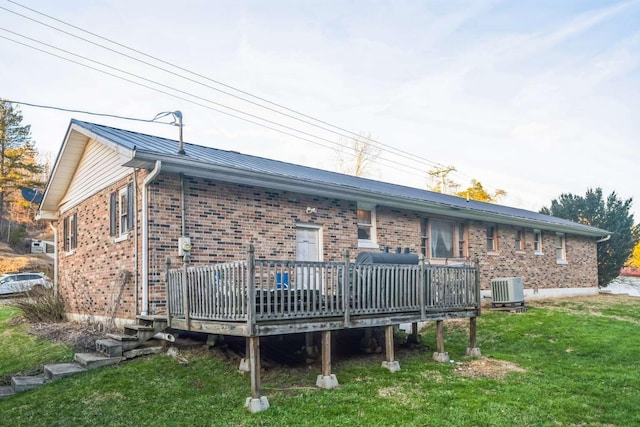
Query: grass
(578, 363)
(21, 352)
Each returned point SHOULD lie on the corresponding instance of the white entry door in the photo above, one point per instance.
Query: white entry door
(308, 248)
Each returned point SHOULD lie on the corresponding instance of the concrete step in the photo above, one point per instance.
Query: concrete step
(60, 370)
(109, 347)
(95, 360)
(142, 351)
(122, 337)
(21, 384)
(6, 391)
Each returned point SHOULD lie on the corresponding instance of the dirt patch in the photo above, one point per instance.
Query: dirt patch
(487, 368)
(80, 336)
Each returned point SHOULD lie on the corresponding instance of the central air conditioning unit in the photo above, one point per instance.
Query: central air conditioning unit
(507, 290)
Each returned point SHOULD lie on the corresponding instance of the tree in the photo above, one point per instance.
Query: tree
(356, 155)
(18, 165)
(477, 192)
(634, 260)
(612, 215)
(442, 184)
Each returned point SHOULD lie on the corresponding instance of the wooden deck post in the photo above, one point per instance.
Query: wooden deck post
(346, 289)
(185, 292)
(472, 350)
(326, 379)
(169, 293)
(440, 355)
(251, 292)
(390, 364)
(422, 279)
(255, 403)
(413, 336)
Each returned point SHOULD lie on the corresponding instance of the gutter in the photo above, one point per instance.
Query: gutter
(604, 239)
(145, 235)
(242, 176)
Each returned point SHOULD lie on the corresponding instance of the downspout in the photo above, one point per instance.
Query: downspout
(604, 239)
(145, 235)
(136, 241)
(55, 258)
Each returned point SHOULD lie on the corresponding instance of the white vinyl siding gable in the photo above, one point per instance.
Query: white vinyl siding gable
(99, 167)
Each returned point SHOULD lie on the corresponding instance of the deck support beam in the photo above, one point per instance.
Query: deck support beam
(389, 362)
(326, 379)
(473, 350)
(255, 403)
(440, 355)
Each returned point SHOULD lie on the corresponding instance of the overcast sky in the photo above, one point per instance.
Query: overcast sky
(534, 97)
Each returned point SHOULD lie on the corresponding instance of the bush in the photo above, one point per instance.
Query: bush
(41, 305)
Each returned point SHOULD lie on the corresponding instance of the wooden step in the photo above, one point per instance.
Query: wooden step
(122, 337)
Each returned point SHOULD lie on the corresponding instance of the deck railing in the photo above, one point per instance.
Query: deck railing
(258, 291)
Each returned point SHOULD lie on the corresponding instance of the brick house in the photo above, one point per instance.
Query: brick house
(120, 202)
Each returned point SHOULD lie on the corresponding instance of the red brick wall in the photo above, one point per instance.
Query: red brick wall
(91, 278)
(223, 219)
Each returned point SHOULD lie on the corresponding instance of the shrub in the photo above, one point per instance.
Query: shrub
(41, 305)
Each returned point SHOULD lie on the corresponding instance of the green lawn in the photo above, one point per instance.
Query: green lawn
(579, 365)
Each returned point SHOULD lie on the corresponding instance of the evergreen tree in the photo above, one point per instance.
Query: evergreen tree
(18, 165)
(612, 215)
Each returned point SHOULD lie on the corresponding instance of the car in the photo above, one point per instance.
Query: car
(13, 283)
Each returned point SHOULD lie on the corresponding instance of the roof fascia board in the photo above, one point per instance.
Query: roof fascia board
(194, 168)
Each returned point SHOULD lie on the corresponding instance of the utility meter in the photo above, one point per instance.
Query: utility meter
(184, 246)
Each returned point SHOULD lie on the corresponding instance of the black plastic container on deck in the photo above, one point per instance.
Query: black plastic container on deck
(386, 258)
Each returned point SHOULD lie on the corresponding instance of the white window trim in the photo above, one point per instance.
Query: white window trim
(123, 232)
(563, 260)
(523, 240)
(373, 242)
(538, 251)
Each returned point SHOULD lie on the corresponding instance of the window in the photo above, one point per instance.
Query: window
(537, 242)
(446, 239)
(519, 244)
(121, 212)
(70, 232)
(366, 226)
(492, 238)
(561, 250)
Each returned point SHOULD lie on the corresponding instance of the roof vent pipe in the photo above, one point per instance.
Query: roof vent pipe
(177, 121)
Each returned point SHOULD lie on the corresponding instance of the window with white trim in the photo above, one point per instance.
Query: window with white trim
(366, 217)
(519, 243)
(70, 232)
(537, 242)
(561, 248)
(121, 212)
(492, 238)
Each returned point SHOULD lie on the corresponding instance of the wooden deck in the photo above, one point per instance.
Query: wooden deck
(255, 298)
(271, 297)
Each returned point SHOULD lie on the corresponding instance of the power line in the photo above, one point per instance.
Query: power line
(389, 148)
(49, 107)
(187, 94)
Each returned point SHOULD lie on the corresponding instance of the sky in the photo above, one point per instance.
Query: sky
(538, 98)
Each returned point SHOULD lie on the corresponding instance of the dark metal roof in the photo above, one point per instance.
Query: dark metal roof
(154, 145)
